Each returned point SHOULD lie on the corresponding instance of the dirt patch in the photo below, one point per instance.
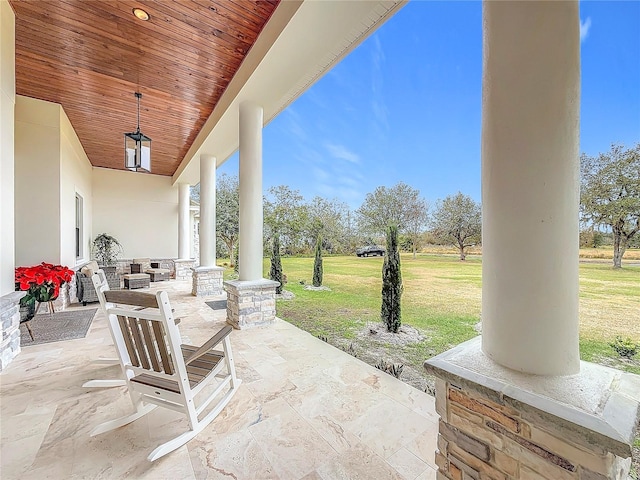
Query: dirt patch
(377, 333)
(317, 289)
(285, 295)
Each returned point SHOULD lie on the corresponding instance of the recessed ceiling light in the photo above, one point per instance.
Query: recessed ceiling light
(141, 14)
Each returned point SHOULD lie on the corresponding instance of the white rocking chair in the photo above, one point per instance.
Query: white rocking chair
(158, 370)
(101, 285)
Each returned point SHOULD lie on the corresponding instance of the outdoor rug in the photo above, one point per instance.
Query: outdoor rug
(218, 304)
(59, 326)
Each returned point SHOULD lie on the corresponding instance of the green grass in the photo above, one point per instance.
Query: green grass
(442, 299)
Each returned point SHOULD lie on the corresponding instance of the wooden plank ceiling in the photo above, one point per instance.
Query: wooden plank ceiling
(92, 55)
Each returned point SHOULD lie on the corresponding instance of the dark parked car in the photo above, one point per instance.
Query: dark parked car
(370, 251)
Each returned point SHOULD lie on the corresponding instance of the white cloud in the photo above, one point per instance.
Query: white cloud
(584, 29)
(340, 151)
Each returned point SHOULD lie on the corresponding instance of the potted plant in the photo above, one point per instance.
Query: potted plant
(106, 250)
(42, 284)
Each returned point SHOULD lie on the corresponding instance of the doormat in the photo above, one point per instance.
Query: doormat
(59, 326)
(218, 304)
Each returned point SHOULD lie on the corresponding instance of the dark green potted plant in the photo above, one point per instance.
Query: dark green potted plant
(106, 250)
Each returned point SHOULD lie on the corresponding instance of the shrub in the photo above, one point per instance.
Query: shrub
(317, 264)
(390, 313)
(626, 348)
(275, 273)
(394, 369)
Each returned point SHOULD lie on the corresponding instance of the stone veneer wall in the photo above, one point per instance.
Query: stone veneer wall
(485, 433)
(123, 266)
(207, 281)
(184, 269)
(250, 303)
(10, 320)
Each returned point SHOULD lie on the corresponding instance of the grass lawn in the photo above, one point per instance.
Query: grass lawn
(442, 300)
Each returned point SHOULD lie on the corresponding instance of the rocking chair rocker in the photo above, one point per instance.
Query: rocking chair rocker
(158, 370)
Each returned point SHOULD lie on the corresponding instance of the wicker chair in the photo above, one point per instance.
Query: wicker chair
(144, 265)
(86, 292)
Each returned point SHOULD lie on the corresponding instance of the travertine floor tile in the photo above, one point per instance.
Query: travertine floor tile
(407, 464)
(292, 446)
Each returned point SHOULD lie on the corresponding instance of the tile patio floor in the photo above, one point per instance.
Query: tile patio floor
(304, 410)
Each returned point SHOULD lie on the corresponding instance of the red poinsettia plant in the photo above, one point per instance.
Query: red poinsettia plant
(41, 282)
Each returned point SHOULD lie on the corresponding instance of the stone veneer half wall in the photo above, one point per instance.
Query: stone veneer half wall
(250, 303)
(10, 320)
(500, 424)
(206, 281)
(184, 269)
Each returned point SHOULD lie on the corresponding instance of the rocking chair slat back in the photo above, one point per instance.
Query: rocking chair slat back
(167, 365)
(134, 326)
(150, 341)
(128, 340)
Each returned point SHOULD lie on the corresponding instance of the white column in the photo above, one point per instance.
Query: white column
(207, 210)
(250, 179)
(530, 185)
(184, 233)
(7, 168)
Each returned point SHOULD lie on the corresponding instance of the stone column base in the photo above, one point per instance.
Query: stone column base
(10, 320)
(250, 303)
(207, 281)
(184, 269)
(502, 424)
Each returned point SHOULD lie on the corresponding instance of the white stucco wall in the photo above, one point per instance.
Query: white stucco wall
(37, 181)
(140, 210)
(75, 177)
(51, 166)
(7, 100)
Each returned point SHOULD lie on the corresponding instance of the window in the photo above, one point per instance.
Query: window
(79, 242)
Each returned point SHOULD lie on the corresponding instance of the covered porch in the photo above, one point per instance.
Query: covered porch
(304, 410)
(307, 410)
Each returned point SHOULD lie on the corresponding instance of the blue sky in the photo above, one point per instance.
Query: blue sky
(406, 105)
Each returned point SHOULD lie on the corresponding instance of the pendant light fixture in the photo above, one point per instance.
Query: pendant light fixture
(137, 147)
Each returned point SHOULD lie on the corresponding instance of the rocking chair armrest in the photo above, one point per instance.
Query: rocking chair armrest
(209, 344)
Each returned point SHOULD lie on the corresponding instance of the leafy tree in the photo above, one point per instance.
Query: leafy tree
(285, 214)
(317, 264)
(458, 219)
(391, 283)
(329, 219)
(610, 194)
(275, 273)
(228, 213)
(400, 205)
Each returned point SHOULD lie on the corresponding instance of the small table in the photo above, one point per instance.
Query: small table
(136, 280)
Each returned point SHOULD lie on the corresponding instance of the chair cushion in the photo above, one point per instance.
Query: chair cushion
(157, 270)
(135, 276)
(90, 268)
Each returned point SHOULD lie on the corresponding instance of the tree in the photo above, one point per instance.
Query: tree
(391, 283)
(400, 205)
(610, 194)
(228, 213)
(458, 220)
(275, 273)
(317, 264)
(285, 214)
(330, 219)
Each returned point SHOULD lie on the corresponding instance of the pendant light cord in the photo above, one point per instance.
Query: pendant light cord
(138, 96)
